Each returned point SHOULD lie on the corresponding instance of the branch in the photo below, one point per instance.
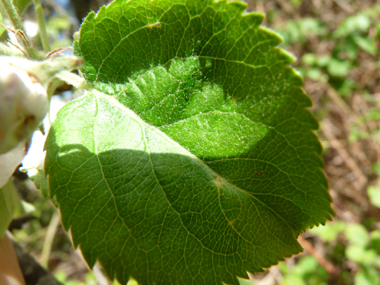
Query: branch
(33, 272)
(330, 268)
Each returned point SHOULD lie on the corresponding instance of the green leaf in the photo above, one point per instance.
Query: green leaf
(361, 255)
(375, 239)
(373, 193)
(367, 44)
(367, 275)
(339, 68)
(193, 160)
(306, 266)
(37, 175)
(21, 5)
(330, 231)
(353, 25)
(245, 282)
(298, 31)
(357, 234)
(9, 204)
(2, 29)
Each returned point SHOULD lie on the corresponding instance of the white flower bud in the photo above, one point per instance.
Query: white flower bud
(23, 104)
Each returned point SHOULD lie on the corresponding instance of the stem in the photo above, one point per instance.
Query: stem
(42, 26)
(31, 269)
(52, 229)
(10, 270)
(16, 21)
(330, 268)
(13, 15)
(73, 79)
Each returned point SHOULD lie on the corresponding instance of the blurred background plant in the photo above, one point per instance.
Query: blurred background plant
(337, 45)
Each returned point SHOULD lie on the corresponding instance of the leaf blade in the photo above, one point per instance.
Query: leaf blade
(231, 191)
(185, 215)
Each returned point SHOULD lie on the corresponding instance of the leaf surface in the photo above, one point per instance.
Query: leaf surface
(9, 204)
(193, 160)
(21, 5)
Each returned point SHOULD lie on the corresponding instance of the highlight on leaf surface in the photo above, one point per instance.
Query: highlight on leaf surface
(193, 159)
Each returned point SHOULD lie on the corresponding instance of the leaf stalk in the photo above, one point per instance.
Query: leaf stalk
(13, 15)
(42, 26)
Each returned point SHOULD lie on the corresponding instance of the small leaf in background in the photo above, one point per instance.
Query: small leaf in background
(323, 60)
(244, 282)
(372, 114)
(375, 239)
(306, 271)
(330, 231)
(306, 266)
(309, 58)
(296, 2)
(350, 48)
(360, 254)
(292, 280)
(373, 193)
(298, 31)
(367, 275)
(367, 44)
(352, 25)
(313, 59)
(357, 234)
(314, 74)
(361, 22)
(376, 168)
(377, 27)
(338, 68)
(131, 282)
(346, 87)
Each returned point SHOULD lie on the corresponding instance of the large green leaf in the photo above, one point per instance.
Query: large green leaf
(193, 160)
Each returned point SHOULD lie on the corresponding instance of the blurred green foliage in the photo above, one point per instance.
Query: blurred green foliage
(349, 44)
(363, 248)
(89, 279)
(373, 191)
(352, 35)
(306, 271)
(344, 243)
(59, 29)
